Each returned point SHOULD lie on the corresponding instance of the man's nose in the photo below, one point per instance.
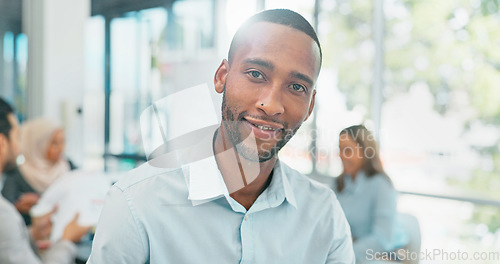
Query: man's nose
(271, 101)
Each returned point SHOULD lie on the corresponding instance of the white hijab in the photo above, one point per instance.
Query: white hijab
(37, 170)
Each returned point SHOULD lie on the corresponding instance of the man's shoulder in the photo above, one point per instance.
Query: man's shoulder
(315, 199)
(8, 215)
(146, 174)
(303, 184)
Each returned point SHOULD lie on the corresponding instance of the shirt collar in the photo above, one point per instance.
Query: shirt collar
(205, 183)
(282, 179)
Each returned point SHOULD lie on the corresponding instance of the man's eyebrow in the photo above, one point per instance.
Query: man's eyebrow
(303, 77)
(260, 62)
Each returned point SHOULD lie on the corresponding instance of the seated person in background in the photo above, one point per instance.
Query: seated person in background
(15, 246)
(42, 144)
(367, 195)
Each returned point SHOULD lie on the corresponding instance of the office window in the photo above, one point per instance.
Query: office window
(441, 111)
(8, 66)
(134, 41)
(93, 103)
(14, 65)
(154, 52)
(190, 28)
(21, 71)
(441, 71)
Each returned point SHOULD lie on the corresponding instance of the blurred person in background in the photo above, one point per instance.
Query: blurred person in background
(42, 145)
(367, 195)
(17, 243)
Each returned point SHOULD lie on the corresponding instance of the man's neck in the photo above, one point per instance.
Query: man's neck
(244, 179)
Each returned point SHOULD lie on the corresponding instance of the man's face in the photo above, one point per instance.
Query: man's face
(268, 88)
(13, 149)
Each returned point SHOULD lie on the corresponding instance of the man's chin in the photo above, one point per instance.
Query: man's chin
(251, 153)
(261, 158)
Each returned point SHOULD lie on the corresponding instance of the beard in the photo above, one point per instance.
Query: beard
(256, 153)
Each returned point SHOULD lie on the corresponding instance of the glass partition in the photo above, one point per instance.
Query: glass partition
(441, 114)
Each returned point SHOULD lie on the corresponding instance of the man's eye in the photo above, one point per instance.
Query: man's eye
(256, 74)
(298, 88)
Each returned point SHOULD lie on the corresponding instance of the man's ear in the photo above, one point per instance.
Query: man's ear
(311, 106)
(221, 75)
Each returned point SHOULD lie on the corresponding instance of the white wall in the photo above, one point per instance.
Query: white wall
(55, 30)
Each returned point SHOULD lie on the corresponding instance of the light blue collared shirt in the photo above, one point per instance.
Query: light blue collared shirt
(186, 215)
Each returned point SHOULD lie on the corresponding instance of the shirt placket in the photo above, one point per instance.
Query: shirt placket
(247, 239)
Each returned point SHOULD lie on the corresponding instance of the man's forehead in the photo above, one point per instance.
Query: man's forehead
(262, 28)
(274, 38)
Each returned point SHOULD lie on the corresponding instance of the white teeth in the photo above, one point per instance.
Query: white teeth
(265, 128)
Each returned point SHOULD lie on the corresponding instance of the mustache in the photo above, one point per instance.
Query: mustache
(244, 114)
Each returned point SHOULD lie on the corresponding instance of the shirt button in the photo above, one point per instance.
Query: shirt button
(246, 217)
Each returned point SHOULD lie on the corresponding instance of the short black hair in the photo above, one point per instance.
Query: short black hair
(278, 16)
(5, 110)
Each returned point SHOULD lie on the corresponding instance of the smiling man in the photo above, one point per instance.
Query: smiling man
(241, 205)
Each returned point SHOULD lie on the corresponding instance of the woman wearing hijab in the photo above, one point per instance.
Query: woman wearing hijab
(42, 145)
